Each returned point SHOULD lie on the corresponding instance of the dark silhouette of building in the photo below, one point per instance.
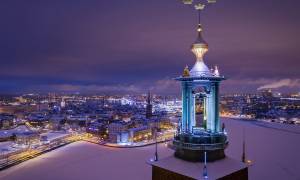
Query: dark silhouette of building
(149, 106)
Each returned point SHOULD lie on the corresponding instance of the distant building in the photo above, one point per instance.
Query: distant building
(267, 93)
(7, 121)
(161, 123)
(63, 103)
(77, 120)
(139, 134)
(97, 129)
(38, 119)
(56, 122)
(27, 138)
(42, 107)
(149, 107)
(117, 132)
(122, 132)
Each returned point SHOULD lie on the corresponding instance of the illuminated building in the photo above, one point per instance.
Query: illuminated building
(27, 138)
(63, 103)
(200, 82)
(117, 132)
(77, 120)
(140, 134)
(7, 121)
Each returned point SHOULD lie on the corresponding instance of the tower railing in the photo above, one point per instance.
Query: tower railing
(204, 147)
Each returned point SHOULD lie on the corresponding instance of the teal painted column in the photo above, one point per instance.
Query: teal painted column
(184, 107)
(212, 108)
(204, 113)
(217, 115)
(188, 108)
(192, 120)
(210, 111)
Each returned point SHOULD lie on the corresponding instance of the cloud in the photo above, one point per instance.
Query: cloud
(247, 85)
(95, 88)
(290, 83)
(168, 86)
(163, 86)
(92, 88)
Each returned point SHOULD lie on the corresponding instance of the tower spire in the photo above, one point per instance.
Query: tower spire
(200, 48)
(149, 97)
(149, 106)
(200, 39)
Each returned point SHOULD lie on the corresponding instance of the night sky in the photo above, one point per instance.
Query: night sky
(132, 46)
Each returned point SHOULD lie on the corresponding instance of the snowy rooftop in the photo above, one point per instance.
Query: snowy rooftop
(19, 129)
(273, 150)
(216, 170)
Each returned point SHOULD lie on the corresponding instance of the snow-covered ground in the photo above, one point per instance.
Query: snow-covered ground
(274, 148)
(275, 151)
(86, 161)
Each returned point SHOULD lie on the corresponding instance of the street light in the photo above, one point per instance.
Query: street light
(205, 173)
(156, 154)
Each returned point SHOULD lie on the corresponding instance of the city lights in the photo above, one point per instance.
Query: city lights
(141, 90)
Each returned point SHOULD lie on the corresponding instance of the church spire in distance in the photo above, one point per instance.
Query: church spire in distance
(149, 106)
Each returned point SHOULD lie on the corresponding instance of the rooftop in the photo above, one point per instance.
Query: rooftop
(216, 170)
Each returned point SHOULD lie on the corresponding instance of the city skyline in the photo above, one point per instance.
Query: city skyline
(131, 47)
(173, 89)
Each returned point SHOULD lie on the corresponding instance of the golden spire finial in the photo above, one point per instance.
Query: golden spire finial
(200, 47)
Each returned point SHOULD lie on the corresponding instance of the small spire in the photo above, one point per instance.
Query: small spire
(149, 106)
(216, 71)
(223, 127)
(149, 97)
(200, 47)
(186, 72)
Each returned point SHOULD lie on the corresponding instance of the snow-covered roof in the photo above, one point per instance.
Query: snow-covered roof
(216, 170)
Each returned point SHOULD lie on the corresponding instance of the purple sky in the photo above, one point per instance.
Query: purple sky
(132, 46)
